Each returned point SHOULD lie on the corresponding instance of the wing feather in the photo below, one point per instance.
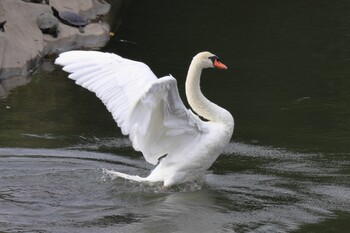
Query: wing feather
(146, 108)
(168, 126)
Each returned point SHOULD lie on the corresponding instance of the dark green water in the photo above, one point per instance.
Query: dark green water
(287, 168)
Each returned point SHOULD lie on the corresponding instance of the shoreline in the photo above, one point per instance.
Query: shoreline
(23, 46)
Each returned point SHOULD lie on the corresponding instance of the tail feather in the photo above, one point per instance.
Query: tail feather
(128, 177)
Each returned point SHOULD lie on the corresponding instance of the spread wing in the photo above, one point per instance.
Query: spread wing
(146, 108)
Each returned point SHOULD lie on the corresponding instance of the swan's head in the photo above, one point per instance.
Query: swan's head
(208, 60)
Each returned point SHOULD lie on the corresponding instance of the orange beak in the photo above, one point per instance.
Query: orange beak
(219, 65)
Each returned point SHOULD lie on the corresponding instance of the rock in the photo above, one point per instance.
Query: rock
(2, 26)
(23, 45)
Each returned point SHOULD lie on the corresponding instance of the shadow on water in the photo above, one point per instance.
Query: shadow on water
(67, 189)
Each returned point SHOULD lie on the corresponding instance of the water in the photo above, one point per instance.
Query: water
(287, 166)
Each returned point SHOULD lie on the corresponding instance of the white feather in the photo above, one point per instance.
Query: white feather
(150, 111)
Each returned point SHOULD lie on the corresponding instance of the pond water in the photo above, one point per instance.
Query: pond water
(286, 169)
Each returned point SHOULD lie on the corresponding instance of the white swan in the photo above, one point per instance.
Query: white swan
(151, 112)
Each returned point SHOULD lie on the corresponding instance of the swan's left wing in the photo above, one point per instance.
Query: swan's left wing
(162, 124)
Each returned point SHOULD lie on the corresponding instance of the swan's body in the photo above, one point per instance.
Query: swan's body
(151, 112)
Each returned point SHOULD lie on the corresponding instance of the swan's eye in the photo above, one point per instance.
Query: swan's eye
(214, 58)
(217, 63)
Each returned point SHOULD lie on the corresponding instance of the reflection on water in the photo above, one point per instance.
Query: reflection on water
(6, 85)
(286, 169)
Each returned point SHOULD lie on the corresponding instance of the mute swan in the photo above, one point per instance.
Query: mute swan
(151, 112)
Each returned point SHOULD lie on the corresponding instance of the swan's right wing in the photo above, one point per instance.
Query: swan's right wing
(117, 81)
(146, 108)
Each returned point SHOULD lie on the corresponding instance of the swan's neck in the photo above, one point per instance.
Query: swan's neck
(199, 103)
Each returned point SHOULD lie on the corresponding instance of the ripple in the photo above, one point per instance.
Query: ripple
(72, 190)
